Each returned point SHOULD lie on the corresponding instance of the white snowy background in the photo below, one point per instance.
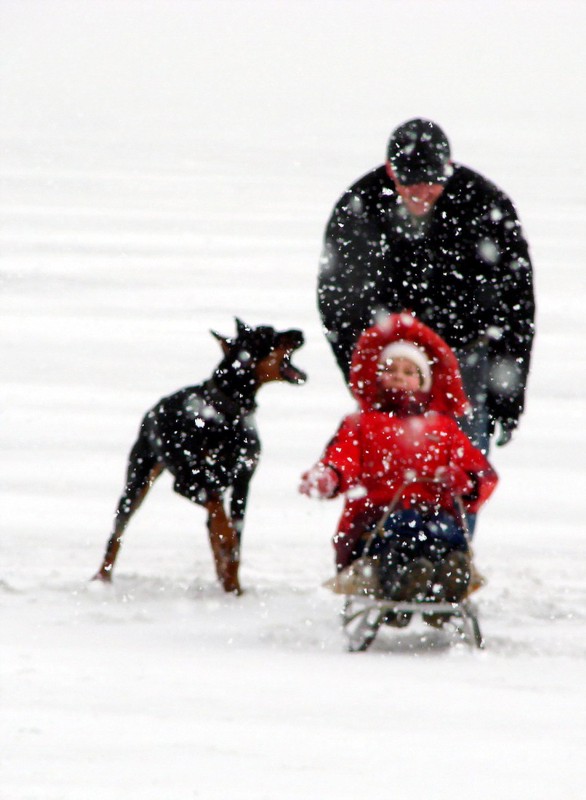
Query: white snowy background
(166, 165)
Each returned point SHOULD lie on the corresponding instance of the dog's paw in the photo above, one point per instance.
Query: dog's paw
(102, 577)
(232, 588)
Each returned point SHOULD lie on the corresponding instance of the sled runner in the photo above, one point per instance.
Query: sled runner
(363, 617)
(369, 604)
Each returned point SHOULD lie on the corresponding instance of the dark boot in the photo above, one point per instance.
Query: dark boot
(453, 575)
(409, 582)
(415, 581)
(397, 619)
(451, 578)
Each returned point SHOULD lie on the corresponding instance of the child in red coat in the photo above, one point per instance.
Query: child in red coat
(404, 451)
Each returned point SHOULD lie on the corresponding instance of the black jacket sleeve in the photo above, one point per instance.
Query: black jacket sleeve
(511, 338)
(351, 260)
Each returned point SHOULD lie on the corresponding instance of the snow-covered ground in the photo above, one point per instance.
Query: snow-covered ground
(165, 166)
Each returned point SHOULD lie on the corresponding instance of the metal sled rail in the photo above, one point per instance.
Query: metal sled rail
(362, 618)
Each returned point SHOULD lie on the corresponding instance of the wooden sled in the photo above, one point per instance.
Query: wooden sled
(362, 618)
(364, 612)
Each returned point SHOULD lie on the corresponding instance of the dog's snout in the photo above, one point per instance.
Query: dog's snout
(294, 337)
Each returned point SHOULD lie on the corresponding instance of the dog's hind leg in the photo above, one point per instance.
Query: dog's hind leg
(143, 469)
(225, 545)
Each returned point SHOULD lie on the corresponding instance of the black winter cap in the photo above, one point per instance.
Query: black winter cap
(419, 152)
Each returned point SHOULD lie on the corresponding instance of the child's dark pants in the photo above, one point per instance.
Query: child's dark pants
(416, 548)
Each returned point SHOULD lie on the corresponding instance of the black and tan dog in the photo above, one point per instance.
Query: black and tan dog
(206, 437)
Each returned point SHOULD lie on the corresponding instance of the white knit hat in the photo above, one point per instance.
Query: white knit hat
(404, 349)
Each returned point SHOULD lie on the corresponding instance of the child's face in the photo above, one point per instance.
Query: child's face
(400, 373)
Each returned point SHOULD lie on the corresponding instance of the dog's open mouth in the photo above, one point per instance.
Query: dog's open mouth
(291, 340)
(291, 373)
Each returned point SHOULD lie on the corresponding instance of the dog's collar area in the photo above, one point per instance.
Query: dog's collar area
(222, 401)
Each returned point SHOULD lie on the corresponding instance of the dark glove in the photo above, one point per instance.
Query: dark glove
(505, 433)
(504, 415)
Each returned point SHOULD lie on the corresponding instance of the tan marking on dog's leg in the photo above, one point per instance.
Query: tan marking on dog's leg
(224, 544)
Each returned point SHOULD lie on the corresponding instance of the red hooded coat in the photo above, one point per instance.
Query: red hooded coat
(384, 456)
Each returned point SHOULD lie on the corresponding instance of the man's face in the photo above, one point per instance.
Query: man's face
(419, 198)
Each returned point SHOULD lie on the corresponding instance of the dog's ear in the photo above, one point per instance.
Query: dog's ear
(225, 344)
(241, 328)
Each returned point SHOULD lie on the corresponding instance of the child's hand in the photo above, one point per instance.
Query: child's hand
(320, 481)
(455, 479)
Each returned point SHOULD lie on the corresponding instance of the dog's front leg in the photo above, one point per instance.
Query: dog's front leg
(225, 546)
(238, 502)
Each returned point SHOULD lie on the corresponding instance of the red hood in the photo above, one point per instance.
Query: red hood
(447, 391)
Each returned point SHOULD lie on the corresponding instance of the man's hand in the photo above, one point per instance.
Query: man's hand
(320, 481)
(505, 433)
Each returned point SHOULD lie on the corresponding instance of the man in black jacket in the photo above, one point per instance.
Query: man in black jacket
(425, 234)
